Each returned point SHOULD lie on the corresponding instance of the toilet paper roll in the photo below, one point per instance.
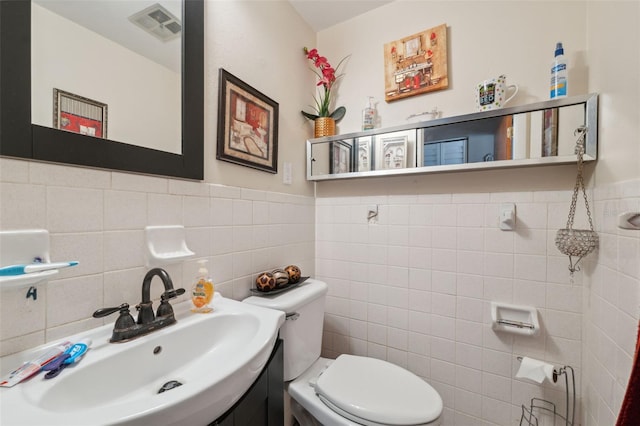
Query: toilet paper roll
(535, 370)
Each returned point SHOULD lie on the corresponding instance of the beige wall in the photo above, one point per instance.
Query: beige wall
(601, 44)
(490, 38)
(613, 40)
(261, 44)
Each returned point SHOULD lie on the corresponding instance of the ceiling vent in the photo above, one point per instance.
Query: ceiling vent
(158, 21)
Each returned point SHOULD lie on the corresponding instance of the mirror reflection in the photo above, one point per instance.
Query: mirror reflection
(109, 69)
(519, 136)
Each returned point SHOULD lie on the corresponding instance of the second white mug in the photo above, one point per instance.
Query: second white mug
(492, 93)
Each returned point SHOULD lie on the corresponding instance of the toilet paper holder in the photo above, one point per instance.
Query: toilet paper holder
(556, 371)
(539, 406)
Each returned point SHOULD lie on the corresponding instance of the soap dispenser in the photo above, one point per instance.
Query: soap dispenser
(202, 291)
(369, 115)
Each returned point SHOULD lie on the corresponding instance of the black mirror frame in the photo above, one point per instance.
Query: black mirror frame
(20, 138)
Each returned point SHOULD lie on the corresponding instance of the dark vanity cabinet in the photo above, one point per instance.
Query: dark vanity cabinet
(263, 404)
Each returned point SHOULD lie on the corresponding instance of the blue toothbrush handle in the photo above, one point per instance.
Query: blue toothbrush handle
(56, 363)
(53, 373)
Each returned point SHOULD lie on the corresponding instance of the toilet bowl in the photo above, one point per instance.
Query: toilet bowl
(350, 390)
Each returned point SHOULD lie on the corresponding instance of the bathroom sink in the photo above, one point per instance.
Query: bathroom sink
(215, 357)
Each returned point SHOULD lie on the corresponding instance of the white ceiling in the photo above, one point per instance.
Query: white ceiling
(322, 14)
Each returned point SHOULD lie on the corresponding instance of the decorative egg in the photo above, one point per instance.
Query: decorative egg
(265, 281)
(294, 273)
(281, 277)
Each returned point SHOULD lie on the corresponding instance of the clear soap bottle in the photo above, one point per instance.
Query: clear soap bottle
(202, 291)
(369, 115)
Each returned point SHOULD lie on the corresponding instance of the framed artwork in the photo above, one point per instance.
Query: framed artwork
(365, 154)
(247, 125)
(340, 157)
(416, 64)
(550, 132)
(392, 153)
(78, 114)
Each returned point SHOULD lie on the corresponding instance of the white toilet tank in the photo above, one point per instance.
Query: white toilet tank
(302, 330)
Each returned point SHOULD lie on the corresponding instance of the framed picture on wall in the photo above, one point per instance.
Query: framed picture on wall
(365, 154)
(78, 114)
(247, 125)
(416, 64)
(392, 153)
(341, 157)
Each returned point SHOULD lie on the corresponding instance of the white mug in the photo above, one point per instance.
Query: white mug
(492, 94)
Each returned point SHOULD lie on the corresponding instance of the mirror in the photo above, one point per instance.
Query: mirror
(20, 138)
(131, 50)
(537, 134)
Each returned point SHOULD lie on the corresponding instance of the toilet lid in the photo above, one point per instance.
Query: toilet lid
(372, 391)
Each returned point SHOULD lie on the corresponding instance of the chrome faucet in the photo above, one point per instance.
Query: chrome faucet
(126, 328)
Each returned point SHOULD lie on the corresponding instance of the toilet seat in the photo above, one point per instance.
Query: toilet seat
(373, 392)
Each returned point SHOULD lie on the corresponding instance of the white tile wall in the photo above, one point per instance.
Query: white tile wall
(434, 262)
(612, 301)
(98, 218)
(413, 289)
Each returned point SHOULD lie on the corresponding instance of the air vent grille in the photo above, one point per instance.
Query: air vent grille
(158, 21)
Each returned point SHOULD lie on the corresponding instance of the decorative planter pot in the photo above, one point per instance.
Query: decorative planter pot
(324, 126)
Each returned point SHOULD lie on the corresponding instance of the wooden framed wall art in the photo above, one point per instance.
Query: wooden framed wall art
(247, 125)
(416, 64)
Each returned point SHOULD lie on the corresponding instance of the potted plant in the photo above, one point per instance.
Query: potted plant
(324, 118)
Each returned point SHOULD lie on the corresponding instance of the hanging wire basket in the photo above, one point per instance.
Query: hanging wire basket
(577, 242)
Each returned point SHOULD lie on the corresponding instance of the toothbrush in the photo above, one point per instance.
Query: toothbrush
(33, 267)
(70, 356)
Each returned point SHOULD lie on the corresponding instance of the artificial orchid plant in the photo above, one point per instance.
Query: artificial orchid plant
(327, 78)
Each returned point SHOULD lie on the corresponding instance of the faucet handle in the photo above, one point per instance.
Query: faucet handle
(173, 293)
(103, 312)
(123, 325)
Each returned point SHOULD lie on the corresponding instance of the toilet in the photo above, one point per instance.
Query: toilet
(350, 390)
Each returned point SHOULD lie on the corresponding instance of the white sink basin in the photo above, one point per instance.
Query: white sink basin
(215, 356)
